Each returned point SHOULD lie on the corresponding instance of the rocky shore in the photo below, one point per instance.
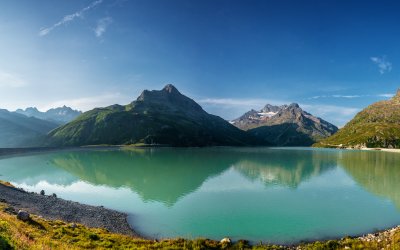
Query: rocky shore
(53, 208)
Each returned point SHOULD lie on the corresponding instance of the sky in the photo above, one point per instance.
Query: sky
(332, 57)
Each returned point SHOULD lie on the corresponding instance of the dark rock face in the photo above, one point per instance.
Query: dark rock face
(286, 125)
(162, 117)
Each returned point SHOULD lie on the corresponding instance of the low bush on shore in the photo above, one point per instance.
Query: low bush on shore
(38, 233)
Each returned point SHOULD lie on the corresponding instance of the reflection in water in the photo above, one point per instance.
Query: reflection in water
(32, 169)
(219, 192)
(288, 168)
(162, 175)
(165, 175)
(377, 172)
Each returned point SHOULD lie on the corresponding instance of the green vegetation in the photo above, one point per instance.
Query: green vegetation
(377, 126)
(164, 117)
(6, 183)
(39, 233)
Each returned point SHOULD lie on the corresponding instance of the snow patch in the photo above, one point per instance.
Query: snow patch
(267, 114)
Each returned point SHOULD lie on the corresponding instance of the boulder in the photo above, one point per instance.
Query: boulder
(225, 241)
(23, 215)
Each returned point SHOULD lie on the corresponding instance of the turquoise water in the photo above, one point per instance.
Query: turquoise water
(278, 195)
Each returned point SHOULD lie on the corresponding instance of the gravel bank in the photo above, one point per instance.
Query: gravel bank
(58, 209)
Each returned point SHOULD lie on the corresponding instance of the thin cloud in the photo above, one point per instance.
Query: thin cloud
(10, 80)
(349, 96)
(68, 18)
(88, 103)
(326, 110)
(335, 96)
(386, 95)
(338, 115)
(102, 25)
(384, 66)
(346, 96)
(238, 102)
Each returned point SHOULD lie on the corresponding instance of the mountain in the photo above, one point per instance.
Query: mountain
(18, 130)
(163, 117)
(377, 126)
(59, 115)
(286, 125)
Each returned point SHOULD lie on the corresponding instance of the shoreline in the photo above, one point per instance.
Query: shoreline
(53, 208)
(331, 146)
(392, 150)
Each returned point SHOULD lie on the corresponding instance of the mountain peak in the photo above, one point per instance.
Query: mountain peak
(32, 109)
(270, 108)
(294, 105)
(397, 94)
(169, 88)
(285, 125)
(157, 117)
(60, 115)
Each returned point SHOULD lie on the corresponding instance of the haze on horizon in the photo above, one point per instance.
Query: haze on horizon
(332, 57)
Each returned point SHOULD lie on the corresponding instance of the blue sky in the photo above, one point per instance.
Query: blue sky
(332, 57)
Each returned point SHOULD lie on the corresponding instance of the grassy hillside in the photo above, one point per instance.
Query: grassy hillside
(376, 126)
(164, 117)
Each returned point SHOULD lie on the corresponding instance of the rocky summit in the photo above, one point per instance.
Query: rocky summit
(60, 115)
(377, 126)
(157, 117)
(286, 125)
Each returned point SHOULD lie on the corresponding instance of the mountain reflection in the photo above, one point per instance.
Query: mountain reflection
(162, 175)
(32, 169)
(286, 168)
(166, 175)
(376, 172)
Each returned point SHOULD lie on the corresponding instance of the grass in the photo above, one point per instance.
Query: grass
(6, 183)
(39, 233)
(377, 126)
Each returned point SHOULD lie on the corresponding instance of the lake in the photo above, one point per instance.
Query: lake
(275, 195)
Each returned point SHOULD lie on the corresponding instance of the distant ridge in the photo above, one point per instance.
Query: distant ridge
(157, 117)
(377, 126)
(59, 115)
(18, 130)
(286, 125)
